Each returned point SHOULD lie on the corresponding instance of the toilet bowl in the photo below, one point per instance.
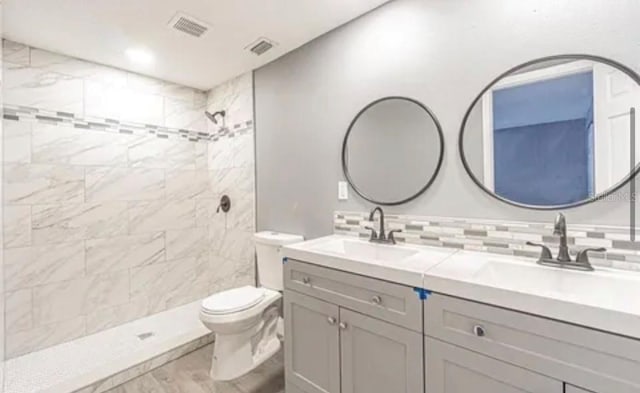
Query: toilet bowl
(245, 320)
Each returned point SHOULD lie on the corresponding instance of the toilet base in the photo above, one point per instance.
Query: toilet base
(237, 354)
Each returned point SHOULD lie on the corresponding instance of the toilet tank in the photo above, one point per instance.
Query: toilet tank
(268, 252)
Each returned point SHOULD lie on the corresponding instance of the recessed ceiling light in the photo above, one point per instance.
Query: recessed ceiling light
(139, 56)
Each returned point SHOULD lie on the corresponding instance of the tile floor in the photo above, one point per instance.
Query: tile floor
(190, 374)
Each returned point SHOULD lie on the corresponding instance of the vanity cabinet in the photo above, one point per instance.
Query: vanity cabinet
(451, 369)
(312, 343)
(599, 362)
(333, 347)
(347, 333)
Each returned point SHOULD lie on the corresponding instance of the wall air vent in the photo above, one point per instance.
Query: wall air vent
(260, 46)
(188, 24)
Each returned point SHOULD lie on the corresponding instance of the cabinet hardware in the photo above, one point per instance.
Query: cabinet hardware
(376, 300)
(478, 331)
(343, 325)
(306, 280)
(331, 320)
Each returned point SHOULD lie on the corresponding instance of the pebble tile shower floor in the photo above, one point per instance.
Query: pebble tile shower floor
(190, 374)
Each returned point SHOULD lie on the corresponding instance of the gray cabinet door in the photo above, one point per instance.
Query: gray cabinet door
(451, 369)
(378, 357)
(311, 343)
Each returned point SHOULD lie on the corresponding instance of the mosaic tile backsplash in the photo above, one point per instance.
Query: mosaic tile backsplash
(500, 237)
(92, 123)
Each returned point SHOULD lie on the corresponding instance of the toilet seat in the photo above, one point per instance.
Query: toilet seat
(233, 300)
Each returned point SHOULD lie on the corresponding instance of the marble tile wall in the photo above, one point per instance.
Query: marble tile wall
(501, 237)
(103, 227)
(41, 79)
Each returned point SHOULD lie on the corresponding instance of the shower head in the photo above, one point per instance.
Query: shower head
(212, 116)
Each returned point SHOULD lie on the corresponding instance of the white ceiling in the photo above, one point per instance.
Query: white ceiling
(101, 31)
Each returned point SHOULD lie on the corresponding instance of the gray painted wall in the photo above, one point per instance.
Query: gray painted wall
(440, 52)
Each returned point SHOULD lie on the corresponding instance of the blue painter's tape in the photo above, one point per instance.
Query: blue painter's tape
(423, 294)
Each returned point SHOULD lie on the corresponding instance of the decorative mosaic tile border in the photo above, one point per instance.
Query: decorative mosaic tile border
(22, 113)
(116, 380)
(500, 237)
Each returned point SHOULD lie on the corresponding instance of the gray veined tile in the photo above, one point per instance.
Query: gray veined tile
(146, 280)
(236, 97)
(44, 336)
(56, 223)
(238, 245)
(124, 184)
(108, 317)
(66, 145)
(124, 103)
(18, 310)
(154, 152)
(182, 114)
(155, 216)
(17, 226)
(186, 184)
(220, 154)
(187, 243)
(172, 283)
(40, 88)
(65, 300)
(201, 151)
(206, 211)
(32, 266)
(243, 150)
(14, 52)
(217, 231)
(236, 182)
(16, 141)
(124, 252)
(145, 84)
(227, 273)
(187, 280)
(29, 184)
(242, 216)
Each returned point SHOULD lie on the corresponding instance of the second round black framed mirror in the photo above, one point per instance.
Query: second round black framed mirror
(554, 133)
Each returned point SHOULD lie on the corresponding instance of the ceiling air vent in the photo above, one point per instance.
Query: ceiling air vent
(188, 24)
(260, 46)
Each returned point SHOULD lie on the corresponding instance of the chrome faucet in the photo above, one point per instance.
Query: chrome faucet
(564, 259)
(379, 236)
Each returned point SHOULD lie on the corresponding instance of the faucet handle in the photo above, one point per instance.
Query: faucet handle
(391, 237)
(545, 253)
(374, 234)
(583, 255)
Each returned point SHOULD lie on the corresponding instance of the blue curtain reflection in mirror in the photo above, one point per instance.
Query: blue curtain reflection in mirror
(543, 141)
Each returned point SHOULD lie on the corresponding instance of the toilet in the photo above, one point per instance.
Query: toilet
(246, 320)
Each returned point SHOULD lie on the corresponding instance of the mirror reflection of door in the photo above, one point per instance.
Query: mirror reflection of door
(558, 133)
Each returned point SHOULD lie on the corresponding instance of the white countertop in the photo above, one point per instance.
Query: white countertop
(606, 299)
(407, 271)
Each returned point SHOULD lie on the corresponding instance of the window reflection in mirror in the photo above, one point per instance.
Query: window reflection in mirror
(555, 133)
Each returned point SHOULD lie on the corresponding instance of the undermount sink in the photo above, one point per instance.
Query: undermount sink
(358, 249)
(551, 280)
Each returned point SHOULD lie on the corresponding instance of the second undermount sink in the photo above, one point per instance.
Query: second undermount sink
(556, 281)
(358, 249)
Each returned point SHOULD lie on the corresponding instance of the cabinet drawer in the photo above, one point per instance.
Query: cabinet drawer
(577, 355)
(394, 303)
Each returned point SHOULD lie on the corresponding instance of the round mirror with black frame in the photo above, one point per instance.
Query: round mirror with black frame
(554, 133)
(392, 151)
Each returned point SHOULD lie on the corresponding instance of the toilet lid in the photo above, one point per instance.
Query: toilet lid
(233, 300)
